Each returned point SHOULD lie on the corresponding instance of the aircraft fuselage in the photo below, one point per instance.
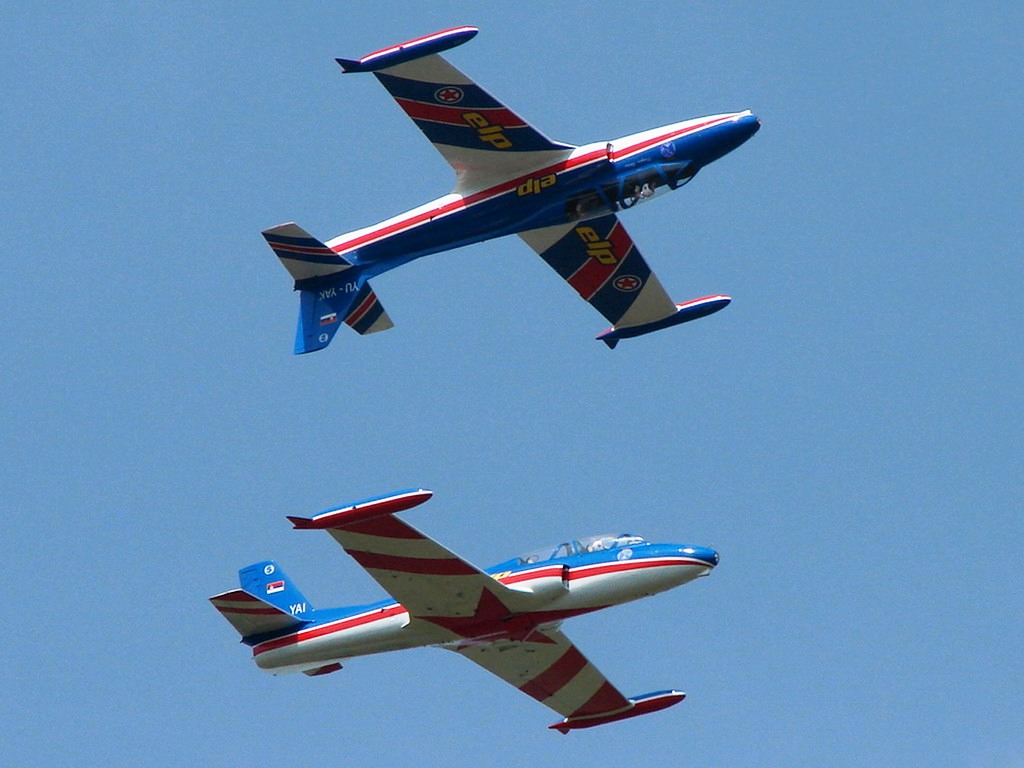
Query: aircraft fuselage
(590, 181)
(552, 591)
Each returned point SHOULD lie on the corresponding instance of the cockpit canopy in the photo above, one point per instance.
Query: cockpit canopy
(582, 546)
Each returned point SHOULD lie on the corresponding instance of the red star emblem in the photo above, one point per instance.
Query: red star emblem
(449, 95)
(627, 283)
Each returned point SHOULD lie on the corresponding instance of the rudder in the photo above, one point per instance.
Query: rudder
(268, 582)
(268, 603)
(321, 313)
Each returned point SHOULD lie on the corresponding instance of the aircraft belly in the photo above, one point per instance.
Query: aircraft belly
(594, 185)
(325, 644)
(610, 584)
(453, 230)
(518, 208)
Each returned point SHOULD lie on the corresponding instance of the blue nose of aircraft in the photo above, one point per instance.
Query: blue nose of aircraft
(718, 140)
(705, 554)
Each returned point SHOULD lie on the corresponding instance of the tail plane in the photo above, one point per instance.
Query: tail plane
(267, 603)
(332, 289)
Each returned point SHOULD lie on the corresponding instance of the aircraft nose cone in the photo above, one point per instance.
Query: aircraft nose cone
(720, 139)
(748, 125)
(704, 554)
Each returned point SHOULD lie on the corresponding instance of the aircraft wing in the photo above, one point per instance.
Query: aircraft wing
(547, 666)
(598, 259)
(429, 580)
(481, 138)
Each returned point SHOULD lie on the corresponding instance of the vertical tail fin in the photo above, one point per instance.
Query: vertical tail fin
(322, 311)
(267, 581)
(267, 603)
(333, 290)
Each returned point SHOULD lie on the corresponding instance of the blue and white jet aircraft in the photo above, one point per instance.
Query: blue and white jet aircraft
(506, 618)
(562, 199)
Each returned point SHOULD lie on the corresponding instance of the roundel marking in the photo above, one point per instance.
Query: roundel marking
(627, 283)
(668, 149)
(625, 554)
(449, 94)
(323, 338)
(268, 569)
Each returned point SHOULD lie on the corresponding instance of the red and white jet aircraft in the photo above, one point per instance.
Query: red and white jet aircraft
(506, 618)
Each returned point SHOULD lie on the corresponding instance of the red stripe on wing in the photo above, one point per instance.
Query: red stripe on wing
(606, 700)
(435, 567)
(437, 113)
(620, 240)
(557, 676)
(386, 527)
(589, 278)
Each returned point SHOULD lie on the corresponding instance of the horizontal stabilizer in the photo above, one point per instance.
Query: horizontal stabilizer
(685, 312)
(252, 616)
(409, 50)
(641, 705)
(303, 255)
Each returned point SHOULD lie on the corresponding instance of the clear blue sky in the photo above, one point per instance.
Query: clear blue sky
(847, 433)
